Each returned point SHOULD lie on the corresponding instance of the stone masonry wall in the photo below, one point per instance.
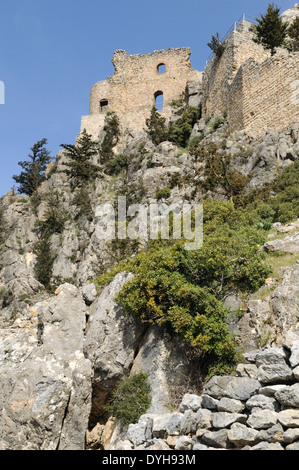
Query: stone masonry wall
(258, 91)
(131, 91)
(269, 97)
(256, 409)
(220, 72)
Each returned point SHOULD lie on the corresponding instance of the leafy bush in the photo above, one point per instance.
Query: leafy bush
(131, 399)
(117, 164)
(163, 193)
(277, 201)
(180, 132)
(186, 289)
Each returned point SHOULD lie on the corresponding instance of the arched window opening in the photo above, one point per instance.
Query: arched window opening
(103, 106)
(159, 100)
(161, 68)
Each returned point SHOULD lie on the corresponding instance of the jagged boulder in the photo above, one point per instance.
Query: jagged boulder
(45, 378)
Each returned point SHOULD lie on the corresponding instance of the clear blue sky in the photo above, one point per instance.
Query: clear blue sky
(52, 52)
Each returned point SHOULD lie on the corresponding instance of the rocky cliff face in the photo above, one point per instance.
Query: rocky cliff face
(63, 352)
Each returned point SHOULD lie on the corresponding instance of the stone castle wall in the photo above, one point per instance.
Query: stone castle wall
(266, 95)
(220, 72)
(131, 92)
(257, 91)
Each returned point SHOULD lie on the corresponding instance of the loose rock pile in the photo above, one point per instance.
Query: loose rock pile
(257, 409)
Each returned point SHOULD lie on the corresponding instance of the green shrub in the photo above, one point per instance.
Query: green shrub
(131, 399)
(186, 289)
(163, 193)
(180, 132)
(117, 164)
(277, 201)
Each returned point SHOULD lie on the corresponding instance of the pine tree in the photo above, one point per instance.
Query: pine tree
(293, 33)
(44, 259)
(216, 45)
(156, 127)
(112, 132)
(270, 31)
(79, 164)
(34, 170)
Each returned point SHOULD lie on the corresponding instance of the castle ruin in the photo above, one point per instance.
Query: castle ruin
(257, 91)
(139, 83)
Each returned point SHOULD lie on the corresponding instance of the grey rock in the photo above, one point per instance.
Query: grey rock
(203, 419)
(160, 424)
(290, 435)
(217, 439)
(174, 424)
(241, 436)
(188, 425)
(289, 396)
(157, 444)
(271, 356)
(200, 447)
(290, 244)
(124, 445)
(270, 390)
(294, 358)
(162, 356)
(46, 380)
(209, 402)
(222, 419)
(289, 418)
(111, 339)
(274, 373)
(247, 370)
(294, 446)
(262, 419)
(285, 301)
(296, 373)
(89, 293)
(190, 402)
(267, 446)
(140, 432)
(261, 401)
(272, 434)
(239, 388)
(230, 405)
(183, 443)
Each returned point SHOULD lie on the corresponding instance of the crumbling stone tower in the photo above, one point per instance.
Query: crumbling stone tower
(139, 82)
